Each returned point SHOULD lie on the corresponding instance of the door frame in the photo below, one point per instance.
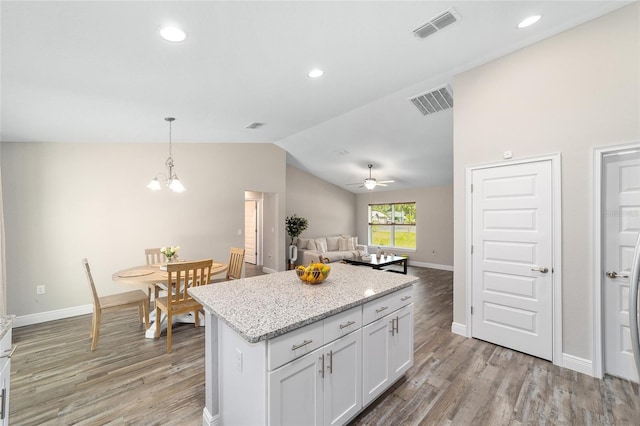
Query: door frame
(598, 275)
(556, 277)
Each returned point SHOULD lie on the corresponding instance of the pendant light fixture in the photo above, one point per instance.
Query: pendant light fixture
(172, 178)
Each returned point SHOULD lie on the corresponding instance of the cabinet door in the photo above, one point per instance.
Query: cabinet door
(295, 392)
(375, 359)
(402, 342)
(343, 379)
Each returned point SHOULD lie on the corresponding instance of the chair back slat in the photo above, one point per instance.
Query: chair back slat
(94, 293)
(184, 275)
(236, 261)
(154, 256)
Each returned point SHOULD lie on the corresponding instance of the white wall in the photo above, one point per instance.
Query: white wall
(434, 222)
(67, 201)
(329, 209)
(568, 94)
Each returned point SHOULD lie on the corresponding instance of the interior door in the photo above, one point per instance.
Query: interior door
(250, 231)
(512, 270)
(621, 224)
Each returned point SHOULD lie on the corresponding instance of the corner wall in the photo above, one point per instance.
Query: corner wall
(568, 94)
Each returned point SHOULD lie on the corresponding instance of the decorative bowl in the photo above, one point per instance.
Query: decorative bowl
(314, 273)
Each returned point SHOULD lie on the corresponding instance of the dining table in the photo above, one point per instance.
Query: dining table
(152, 275)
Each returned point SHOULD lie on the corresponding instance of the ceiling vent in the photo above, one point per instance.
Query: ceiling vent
(441, 21)
(434, 100)
(254, 125)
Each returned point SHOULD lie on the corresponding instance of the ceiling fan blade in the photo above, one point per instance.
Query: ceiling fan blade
(382, 184)
(358, 183)
(386, 181)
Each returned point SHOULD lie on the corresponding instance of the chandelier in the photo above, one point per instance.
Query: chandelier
(172, 178)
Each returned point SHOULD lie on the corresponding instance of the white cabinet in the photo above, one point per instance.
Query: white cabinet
(387, 351)
(5, 371)
(296, 392)
(320, 388)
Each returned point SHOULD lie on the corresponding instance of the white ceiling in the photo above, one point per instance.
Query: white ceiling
(86, 71)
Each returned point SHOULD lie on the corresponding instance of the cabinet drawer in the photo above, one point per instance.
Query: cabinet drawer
(342, 324)
(294, 344)
(378, 308)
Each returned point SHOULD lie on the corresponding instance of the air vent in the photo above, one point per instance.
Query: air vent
(434, 100)
(441, 21)
(254, 125)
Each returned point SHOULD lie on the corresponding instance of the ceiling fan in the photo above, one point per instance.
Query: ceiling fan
(371, 182)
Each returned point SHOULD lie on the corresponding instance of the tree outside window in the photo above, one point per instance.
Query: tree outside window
(392, 225)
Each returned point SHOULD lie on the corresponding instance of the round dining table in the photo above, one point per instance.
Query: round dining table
(151, 275)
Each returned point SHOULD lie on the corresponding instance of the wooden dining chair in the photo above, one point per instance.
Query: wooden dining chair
(154, 256)
(180, 277)
(236, 261)
(114, 302)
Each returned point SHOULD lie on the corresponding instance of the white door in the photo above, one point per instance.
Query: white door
(621, 224)
(512, 280)
(250, 231)
(343, 379)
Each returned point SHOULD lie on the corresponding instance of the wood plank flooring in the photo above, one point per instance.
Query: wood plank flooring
(130, 380)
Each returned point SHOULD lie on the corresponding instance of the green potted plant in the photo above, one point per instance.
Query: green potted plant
(295, 226)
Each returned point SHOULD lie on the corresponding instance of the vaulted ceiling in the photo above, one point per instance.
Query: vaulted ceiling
(87, 71)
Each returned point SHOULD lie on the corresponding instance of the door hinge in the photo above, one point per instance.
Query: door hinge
(472, 310)
(471, 248)
(472, 188)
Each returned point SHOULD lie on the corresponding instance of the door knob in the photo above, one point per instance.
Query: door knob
(542, 269)
(614, 274)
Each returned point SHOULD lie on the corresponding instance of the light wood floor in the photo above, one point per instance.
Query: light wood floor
(130, 380)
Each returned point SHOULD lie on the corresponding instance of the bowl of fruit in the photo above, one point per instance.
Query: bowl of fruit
(315, 273)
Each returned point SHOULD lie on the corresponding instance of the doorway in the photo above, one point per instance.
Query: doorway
(514, 283)
(617, 195)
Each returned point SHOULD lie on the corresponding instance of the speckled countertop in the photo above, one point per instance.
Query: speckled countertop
(6, 321)
(267, 306)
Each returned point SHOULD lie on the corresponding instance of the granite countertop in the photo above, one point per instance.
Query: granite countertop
(6, 321)
(267, 306)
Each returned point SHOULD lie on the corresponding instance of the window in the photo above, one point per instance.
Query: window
(392, 225)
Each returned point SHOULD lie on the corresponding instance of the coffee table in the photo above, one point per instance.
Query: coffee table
(376, 263)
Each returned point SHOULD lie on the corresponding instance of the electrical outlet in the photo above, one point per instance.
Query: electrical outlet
(239, 360)
(39, 289)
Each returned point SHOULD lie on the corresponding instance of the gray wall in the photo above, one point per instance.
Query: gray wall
(329, 209)
(65, 201)
(568, 94)
(434, 222)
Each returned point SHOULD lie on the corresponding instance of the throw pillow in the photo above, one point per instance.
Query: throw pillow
(321, 245)
(332, 243)
(346, 244)
(342, 244)
(302, 243)
(311, 245)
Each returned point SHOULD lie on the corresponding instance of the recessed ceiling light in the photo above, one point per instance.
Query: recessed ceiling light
(529, 21)
(315, 73)
(173, 34)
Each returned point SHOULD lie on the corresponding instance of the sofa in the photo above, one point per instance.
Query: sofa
(329, 248)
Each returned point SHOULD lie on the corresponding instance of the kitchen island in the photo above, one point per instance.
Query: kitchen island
(279, 351)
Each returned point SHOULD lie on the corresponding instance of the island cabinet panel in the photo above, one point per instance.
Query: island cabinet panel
(5, 381)
(387, 351)
(296, 392)
(321, 388)
(343, 379)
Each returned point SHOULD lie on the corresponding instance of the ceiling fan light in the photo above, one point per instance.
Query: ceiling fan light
(154, 185)
(370, 183)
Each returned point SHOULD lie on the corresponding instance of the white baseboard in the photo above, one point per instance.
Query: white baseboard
(268, 270)
(431, 265)
(581, 365)
(40, 317)
(457, 328)
(209, 420)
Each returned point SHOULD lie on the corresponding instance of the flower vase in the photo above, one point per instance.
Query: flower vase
(170, 259)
